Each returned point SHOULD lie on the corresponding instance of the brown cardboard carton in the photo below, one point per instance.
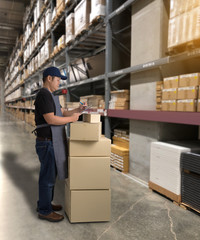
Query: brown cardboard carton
(188, 80)
(188, 105)
(169, 105)
(102, 148)
(171, 82)
(121, 142)
(169, 94)
(87, 205)
(83, 131)
(187, 93)
(120, 162)
(119, 150)
(89, 173)
(91, 118)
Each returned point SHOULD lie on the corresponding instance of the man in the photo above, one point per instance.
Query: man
(51, 142)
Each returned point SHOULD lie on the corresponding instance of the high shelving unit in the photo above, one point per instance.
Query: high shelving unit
(101, 37)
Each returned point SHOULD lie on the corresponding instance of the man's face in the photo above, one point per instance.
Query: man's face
(54, 83)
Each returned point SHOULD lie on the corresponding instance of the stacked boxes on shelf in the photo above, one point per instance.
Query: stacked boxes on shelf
(183, 22)
(188, 92)
(98, 8)
(87, 189)
(169, 93)
(180, 93)
(93, 101)
(72, 105)
(82, 15)
(120, 150)
(69, 28)
(159, 87)
(119, 99)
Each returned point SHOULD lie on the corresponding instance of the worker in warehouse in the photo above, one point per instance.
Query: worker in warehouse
(51, 142)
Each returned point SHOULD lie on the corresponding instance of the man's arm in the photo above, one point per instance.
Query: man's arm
(52, 119)
(67, 113)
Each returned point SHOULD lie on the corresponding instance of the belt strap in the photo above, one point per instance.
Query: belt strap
(40, 126)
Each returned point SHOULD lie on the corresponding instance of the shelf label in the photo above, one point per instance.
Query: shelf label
(150, 64)
(95, 78)
(120, 9)
(119, 72)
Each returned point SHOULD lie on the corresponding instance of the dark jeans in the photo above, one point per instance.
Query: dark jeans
(47, 178)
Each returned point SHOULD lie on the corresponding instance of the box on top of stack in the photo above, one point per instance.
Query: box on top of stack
(180, 93)
(119, 99)
(87, 190)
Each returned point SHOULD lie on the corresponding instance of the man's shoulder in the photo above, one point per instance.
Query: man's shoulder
(43, 92)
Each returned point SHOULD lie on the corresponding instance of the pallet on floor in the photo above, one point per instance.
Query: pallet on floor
(165, 192)
(119, 169)
(188, 207)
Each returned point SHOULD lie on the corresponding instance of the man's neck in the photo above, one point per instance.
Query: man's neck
(47, 87)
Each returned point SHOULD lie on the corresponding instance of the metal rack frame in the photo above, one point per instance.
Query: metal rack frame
(110, 77)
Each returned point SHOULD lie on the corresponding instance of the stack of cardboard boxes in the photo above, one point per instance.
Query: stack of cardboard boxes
(183, 22)
(94, 101)
(159, 87)
(69, 28)
(98, 8)
(169, 93)
(119, 99)
(87, 189)
(180, 93)
(120, 150)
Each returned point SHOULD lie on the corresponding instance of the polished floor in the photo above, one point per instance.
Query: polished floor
(137, 213)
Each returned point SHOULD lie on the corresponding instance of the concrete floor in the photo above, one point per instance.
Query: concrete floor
(137, 213)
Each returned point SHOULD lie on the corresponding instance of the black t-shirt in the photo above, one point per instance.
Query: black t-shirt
(44, 103)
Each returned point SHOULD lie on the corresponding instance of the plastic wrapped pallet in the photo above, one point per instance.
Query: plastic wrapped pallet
(98, 8)
(81, 15)
(69, 30)
(48, 19)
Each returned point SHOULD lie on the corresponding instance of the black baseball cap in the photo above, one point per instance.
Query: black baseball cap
(54, 72)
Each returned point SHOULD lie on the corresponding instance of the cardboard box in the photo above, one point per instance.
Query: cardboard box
(89, 173)
(169, 105)
(171, 82)
(81, 15)
(123, 94)
(119, 150)
(96, 65)
(61, 41)
(98, 8)
(188, 80)
(102, 148)
(87, 205)
(121, 142)
(169, 94)
(119, 105)
(69, 30)
(187, 93)
(91, 118)
(188, 105)
(85, 131)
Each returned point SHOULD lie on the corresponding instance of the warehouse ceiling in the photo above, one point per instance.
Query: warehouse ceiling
(11, 26)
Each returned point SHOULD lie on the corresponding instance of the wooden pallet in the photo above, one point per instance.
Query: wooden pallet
(176, 198)
(62, 46)
(96, 20)
(118, 169)
(68, 3)
(81, 33)
(188, 207)
(183, 47)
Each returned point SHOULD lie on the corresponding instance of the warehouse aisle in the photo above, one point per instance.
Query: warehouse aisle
(137, 213)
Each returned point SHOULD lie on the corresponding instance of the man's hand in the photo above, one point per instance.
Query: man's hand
(75, 117)
(82, 107)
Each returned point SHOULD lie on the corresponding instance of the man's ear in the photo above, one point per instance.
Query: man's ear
(49, 78)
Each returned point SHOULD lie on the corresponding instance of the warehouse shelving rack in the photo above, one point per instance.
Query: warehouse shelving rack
(110, 77)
